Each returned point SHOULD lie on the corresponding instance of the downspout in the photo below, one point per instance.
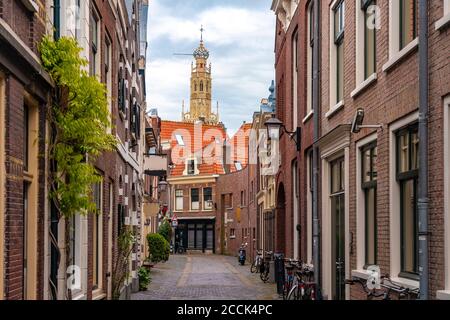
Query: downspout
(315, 182)
(57, 19)
(422, 203)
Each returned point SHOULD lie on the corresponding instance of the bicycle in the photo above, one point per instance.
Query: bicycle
(386, 290)
(290, 266)
(305, 288)
(256, 265)
(265, 266)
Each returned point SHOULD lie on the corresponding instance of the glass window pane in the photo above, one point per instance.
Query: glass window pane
(371, 226)
(366, 166)
(340, 73)
(408, 227)
(403, 153)
(374, 163)
(414, 150)
(370, 47)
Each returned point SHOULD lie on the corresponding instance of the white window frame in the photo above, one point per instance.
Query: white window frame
(395, 54)
(309, 64)
(360, 210)
(196, 170)
(98, 293)
(190, 199)
(309, 198)
(445, 20)
(445, 294)
(182, 200)
(394, 204)
(295, 62)
(361, 81)
(335, 105)
(204, 207)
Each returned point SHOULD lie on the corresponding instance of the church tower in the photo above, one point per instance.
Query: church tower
(200, 107)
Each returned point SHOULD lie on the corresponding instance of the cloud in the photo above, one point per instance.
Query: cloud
(240, 39)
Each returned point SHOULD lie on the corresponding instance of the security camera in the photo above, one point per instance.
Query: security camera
(358, 121)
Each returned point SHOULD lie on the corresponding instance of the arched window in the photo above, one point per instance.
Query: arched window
(195, 86)
(201, 85)
(207, 86)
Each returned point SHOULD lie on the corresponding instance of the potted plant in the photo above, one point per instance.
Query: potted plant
(144, 278)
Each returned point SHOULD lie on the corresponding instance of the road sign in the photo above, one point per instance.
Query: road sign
(174, 220)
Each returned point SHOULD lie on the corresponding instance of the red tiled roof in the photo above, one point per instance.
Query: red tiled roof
(239, 146)
(199, 139)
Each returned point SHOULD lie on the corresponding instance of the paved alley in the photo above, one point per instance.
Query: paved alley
(205, 277)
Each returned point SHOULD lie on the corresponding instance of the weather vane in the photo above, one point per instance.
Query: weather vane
(201, 33)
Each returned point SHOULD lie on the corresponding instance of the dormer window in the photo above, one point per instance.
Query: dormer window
(191, 167)
(238, 165)
(180, 140)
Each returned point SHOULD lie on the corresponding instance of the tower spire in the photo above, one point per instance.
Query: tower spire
(201, 33)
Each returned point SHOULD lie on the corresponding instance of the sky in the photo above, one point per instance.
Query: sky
(239, 35)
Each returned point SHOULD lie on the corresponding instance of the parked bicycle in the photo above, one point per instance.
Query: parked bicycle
(265, 266)
(304, 287)
(256, 265)
(386, 290)
(290, 266)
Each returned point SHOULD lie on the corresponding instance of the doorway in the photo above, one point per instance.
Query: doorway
(337, 197)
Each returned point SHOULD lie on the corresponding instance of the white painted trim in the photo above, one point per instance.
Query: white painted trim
(338, 148)
(394, 195)
(447, 191)
(309, 218)
(363, 85)
(443, 295)
(335, 109)
(398, 57)
(361, 273)
(360, 205)
(332, 64)
(444, 21)
(308, 116)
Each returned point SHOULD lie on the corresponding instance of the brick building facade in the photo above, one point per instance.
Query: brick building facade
(368, 178)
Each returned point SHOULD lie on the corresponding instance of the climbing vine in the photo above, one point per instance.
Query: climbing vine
(79, 120)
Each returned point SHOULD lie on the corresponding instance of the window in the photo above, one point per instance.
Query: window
(201, 85)
(309, 58)
(294, 81)
(195, 200)
(207, 198)
(121, 92)
(251, 192)
(179, 200)
(369, 186)
(407, 177)
(195, 86)
(309, 200)
(26, 137)
(232, 233)
(369, 38)
(242, 198)
(207, 86)
(408, 20)
(339, 26)
(238, 165)
(191, 167)
(95, 44)
(108, 75)
(77, 19)
(97, 235)
(180, 140)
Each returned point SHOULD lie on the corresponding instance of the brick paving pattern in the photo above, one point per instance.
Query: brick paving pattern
(205, 277)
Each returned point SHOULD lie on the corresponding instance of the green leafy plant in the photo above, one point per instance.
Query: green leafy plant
(120, 270)
(79, 120)
(165, 230)
(144, 278)
(159, 248)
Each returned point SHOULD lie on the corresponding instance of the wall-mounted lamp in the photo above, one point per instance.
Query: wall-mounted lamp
(162, 186)
(358, 120)
(274, 127)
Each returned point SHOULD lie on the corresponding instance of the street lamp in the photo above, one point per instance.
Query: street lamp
(274, 126)
(162, 186)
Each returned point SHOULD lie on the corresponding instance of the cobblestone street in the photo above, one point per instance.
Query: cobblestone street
(205, 277)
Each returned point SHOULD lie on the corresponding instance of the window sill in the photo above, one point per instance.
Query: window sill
(443, 22)
(232, 237)
(399, 56)
(443, 294)
(363, 85)
(333, 110)
(308, 116)
(408, 283)
(31, 5)
(79, 296)
(98, 295)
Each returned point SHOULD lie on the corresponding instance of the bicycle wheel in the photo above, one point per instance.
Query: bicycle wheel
(253, 268)
(293, 293)
(265, 275)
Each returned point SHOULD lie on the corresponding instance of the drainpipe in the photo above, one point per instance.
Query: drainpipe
(315, 182)
(422, 203)
(57, 19)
